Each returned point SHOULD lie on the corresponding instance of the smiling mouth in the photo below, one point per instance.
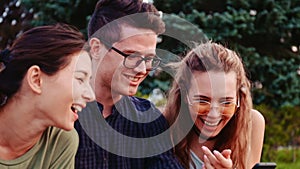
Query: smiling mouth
(211, 124)
(133, 78)
(76, 108)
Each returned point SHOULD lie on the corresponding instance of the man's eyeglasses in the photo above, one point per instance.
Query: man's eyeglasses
(203, 107)
(132, 61)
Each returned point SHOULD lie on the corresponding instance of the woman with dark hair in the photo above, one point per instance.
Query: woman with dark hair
(210, 110)
(44, 83)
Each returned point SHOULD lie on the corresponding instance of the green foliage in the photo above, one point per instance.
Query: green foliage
(49, 12)
(161, 103)
(262, 32)
(74, 12)
(282, 129)
(154, 81)
(141, 95)
(285, 155)
(285, 160)
(278, 78)
(42, 12)
(14, 19)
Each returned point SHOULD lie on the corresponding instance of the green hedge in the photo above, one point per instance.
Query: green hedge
(282, 130)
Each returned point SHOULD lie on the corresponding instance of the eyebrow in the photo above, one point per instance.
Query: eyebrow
(85, 73)
(129, 51)
(81, 71)
(208, 98)
(201, 97)
(126, 51)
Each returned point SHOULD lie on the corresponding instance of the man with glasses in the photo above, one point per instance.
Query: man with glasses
(120, 130)
(131, 61)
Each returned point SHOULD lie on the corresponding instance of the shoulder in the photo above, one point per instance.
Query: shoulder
(258, 124)
(257, 136)
(57, 133)
(141, 101)
(63, 140)
(144, 105)
(258, 120)
(152, 118)
(62, 147)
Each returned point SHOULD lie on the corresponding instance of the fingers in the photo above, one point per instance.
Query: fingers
(223, 158)
(216, 159)
(207, 164)
(211, 157)
(226, 153)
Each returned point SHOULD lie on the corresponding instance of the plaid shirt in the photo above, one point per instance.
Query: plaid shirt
(132, 131)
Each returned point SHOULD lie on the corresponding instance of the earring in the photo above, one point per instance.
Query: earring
(4, 100)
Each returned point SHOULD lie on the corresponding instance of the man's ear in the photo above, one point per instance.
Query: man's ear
(34, 79)
(96, 47)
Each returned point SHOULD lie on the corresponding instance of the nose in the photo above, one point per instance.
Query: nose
(89, 93)
(214, 111)
(141, 67)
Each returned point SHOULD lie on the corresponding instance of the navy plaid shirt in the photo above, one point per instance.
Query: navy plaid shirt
(135, 129)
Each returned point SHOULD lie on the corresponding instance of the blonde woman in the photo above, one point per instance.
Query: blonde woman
(210, 110)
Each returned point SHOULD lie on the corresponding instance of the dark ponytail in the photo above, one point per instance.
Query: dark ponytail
(49, 47)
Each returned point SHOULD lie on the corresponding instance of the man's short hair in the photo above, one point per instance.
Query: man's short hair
(133, 13)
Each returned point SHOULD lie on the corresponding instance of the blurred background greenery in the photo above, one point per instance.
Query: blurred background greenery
(266, 33)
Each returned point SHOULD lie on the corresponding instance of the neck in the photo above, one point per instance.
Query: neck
(108, 101)
(197, 141)
(19, 130)
(201, 136)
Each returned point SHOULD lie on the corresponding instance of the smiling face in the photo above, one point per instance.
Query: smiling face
(67, 92)
(82, 91)
(112, 76)
(215, 88)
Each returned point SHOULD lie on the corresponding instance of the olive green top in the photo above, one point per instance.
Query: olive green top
(56, 149)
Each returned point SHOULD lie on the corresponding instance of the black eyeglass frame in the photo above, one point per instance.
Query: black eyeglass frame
(157, 59)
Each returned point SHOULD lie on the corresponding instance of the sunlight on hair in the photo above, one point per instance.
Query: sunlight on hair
(148, 1)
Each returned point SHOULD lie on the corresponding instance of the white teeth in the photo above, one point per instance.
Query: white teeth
(76, 107)
(133, 78)
(211, 124)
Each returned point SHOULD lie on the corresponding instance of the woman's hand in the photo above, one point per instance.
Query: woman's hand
(217, 160)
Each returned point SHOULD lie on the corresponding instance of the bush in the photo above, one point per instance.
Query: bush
(288, 158)
(282, 129)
